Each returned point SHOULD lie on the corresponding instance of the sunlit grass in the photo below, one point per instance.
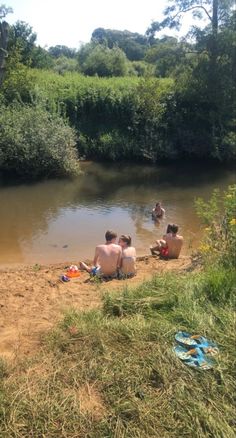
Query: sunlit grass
(112, 373)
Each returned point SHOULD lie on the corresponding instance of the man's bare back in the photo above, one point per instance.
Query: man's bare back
(108, 257)
(174, 243)
(171, 244)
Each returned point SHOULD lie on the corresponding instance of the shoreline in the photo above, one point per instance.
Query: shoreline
(22, 266)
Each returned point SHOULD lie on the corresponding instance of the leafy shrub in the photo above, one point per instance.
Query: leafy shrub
(102, 61)
(218, 216)
(34, 143)
(109, 145)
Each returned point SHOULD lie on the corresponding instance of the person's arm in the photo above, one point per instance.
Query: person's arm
(162, 242)
(119, 261)
(95, 256)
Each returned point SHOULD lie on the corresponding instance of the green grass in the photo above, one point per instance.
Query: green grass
(112, 373)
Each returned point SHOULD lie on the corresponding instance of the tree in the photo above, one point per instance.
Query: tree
(217, 13)
(133, 44)
(57, 51)
(205, 90)
(64, 64)
(166, 55)
(40, 58)
(22, 39)
(97, 59)
(4, 30)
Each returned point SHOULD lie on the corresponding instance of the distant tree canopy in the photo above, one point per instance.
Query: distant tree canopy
(58, 50)
(166, 54)
(133, 44)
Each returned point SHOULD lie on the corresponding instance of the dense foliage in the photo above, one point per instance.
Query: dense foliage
(34, 143)
(219, 218)
(176, 98)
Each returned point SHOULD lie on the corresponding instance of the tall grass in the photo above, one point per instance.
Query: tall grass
(115, 118)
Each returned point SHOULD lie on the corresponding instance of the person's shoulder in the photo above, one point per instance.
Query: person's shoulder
(130, 250)
(101, 246)
(115, 246)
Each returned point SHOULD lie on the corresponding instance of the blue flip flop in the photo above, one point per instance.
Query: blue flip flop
(193, 358)
(192, 341)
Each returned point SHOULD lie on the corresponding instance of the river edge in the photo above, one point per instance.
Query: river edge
(33, 298)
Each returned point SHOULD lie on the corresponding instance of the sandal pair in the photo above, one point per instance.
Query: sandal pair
(195, 350)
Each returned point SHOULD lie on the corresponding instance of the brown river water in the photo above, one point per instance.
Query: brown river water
(62, 220)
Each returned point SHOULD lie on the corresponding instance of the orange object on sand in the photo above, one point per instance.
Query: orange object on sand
(72, 274)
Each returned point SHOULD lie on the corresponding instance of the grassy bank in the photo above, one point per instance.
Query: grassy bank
(112, 373)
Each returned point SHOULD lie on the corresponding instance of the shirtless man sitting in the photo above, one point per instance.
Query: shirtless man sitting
(171, 244)
(107, 258)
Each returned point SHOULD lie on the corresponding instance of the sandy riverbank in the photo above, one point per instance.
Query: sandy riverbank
(33, 299)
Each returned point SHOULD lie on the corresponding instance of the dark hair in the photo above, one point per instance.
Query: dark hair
(125, 238)
(174, 228)
(168, 229)
(110, 235)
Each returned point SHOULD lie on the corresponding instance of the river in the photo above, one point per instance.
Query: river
(62, 220)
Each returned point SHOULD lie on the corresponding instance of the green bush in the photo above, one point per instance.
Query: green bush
(102, 61)
(218, 217)
(35, 143)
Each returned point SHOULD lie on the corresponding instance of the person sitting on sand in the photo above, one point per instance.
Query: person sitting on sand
(128, 257)
(107, 258)
(158, 212)
(171, 244)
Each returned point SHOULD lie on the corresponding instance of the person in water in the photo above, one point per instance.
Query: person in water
(128, 257)
(107, 258)
(158, 212)
(170, 245)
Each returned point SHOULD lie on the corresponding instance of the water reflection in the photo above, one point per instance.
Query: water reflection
(56, 221)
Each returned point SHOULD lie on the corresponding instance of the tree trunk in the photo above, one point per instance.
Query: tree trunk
(4, 28)
(215, 11)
